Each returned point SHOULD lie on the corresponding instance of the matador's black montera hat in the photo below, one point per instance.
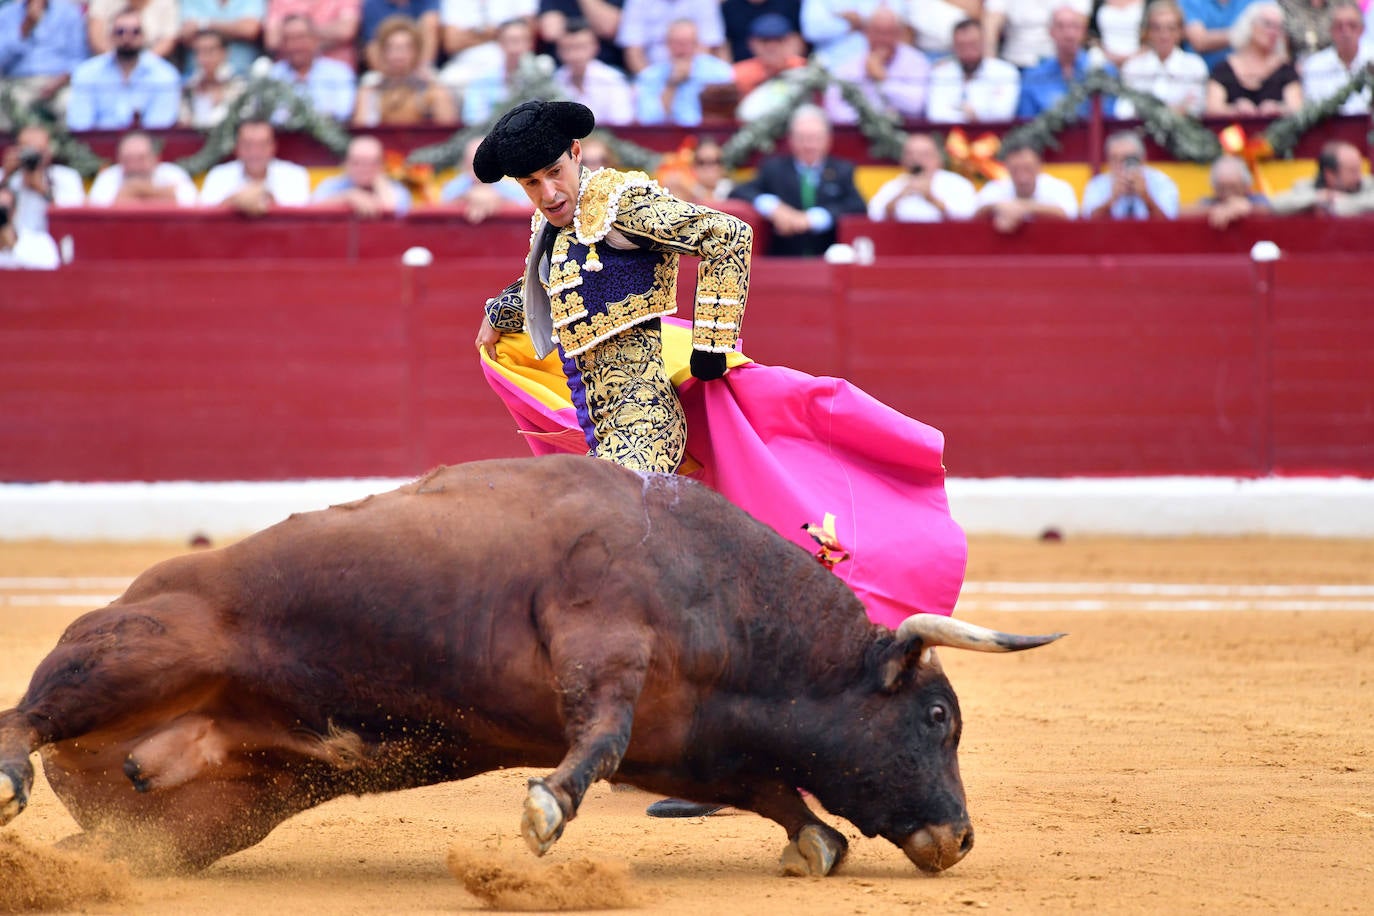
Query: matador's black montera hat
(530, 137)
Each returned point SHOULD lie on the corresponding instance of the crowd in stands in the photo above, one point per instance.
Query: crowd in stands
(145, 65)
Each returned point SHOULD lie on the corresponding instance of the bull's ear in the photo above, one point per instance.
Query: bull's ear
(902, 659)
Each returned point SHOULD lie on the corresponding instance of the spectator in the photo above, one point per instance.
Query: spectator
(1021, 29)
(1232, 197)
(137, 177)
(1043, 85)
(1129, 189)
(710, 184)
(1328, 70)
(602, 16)
(803, 194)
(835, 28)
(480, 200)
(644, 27)
(336, 27)
(1026, 194)
(256, 181)
(423, 13)
(739, 16)
(1340, 188)
(1176, 77)
(403, 91)
(771, 42)
(213, 87)
(669, 92)
(126, 87)
(470, 36)
(238, 21)
(1117, 24)
(597, 153)
(1207, 26)
(160, 20)
(892, 75)
(971, 87)
(924, 192)
(36, 182)
(22, 248)
(362, 187)
(584, 77)
(1308, 26)
(934, 21)
(498, 84)
(1256, 78)
(41, 43)
(329, 85)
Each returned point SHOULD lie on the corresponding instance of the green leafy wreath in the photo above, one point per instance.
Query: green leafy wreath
(68, 149)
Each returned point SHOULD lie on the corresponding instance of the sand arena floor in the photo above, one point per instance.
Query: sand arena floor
(1203, 741)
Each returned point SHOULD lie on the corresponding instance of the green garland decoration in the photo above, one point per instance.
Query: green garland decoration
(1185, 137)
(272, 100)
(1283, 135)
(66, 148)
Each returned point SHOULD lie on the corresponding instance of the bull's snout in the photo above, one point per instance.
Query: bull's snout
(933, 849)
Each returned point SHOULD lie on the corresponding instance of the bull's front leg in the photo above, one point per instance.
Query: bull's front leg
(18, 740)
(815, 848)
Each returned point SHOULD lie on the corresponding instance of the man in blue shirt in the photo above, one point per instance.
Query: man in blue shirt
(41, 38)
(670, 92)
(125, 87)
(1043, 85)
(363, 186)
(1207, 26)
(329, 84)
(1129, 189)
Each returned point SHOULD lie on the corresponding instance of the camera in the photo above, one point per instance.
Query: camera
(1132, 163)
(917, 169)
(30, 160)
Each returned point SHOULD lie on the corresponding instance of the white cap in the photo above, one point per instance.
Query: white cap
(417, 257)
(1264, 251)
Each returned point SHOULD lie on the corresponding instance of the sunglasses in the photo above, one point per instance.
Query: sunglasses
(122, 32)
(710, 162)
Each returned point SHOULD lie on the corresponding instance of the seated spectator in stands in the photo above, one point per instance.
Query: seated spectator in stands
(481, 200)
(21, 248)
(1129, 189)
(1026, 194)
(126, 87)
(584, 77)
(159, 19)
(496, 89)
(924, 192)
(669, 92)
(971, 87)
(1207, 27)
(602, 16)
(932, 23)
(597, 153)
(1043, 85)
(1233, 196)
(470, 37)
(711, 183)
(1308, 26)
(363, 187)
(1117, 24)
(1256, 78)
(213, 86)
(1340, 187)
(403, 92)
(1176, 77)
(335, 25)
(739, 16)
(835, 28)
(892, 75)
(239, 21)
(37, 182)
(425, 15)
(41, 43)
(329, 85)
(1328, 70)
(256, 181)
(645, 24)
(771, 40)
(1019, 30)
(804, 193)
(137, 178)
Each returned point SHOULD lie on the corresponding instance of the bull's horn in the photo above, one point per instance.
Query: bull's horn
(937, 630)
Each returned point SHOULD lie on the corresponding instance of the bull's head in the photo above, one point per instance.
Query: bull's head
(905, 783)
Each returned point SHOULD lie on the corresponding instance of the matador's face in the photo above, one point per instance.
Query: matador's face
(554, 188)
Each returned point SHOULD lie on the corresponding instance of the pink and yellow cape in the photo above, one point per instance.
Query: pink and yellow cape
(790, 449)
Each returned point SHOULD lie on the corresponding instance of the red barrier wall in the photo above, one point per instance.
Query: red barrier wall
(1032, 365)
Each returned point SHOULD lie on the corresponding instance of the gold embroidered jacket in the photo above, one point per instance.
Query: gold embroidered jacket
(616, 265)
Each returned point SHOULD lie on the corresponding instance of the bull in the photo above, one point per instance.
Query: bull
(559, 613)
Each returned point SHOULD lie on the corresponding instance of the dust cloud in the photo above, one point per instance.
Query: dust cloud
(43, 878)
(507, 881)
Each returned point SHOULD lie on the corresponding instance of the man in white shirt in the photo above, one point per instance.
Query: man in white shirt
(1027, 193)
(1161, 67)
(924, 193)
(256, 181)
(970, 88)
(23, 249)
(583, 78)
(139, 178)
(892, 75)
(1325, 72)
(37, 183)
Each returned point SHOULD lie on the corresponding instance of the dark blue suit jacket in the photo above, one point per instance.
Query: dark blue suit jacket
(837, 193)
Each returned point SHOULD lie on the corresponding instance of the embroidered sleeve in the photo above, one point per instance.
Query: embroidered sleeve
(506, 310)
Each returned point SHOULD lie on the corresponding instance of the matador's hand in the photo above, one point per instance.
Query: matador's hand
(707, 366)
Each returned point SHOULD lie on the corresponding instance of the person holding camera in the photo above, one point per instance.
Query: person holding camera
(924, 192)
(1129, 189)
(23, 249)
(38, 183)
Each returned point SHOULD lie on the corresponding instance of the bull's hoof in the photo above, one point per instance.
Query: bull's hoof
(134, 771)
(14, 795)
(818, 850)
(542, 823)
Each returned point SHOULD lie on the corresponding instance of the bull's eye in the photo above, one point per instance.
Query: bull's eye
(938, 714)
